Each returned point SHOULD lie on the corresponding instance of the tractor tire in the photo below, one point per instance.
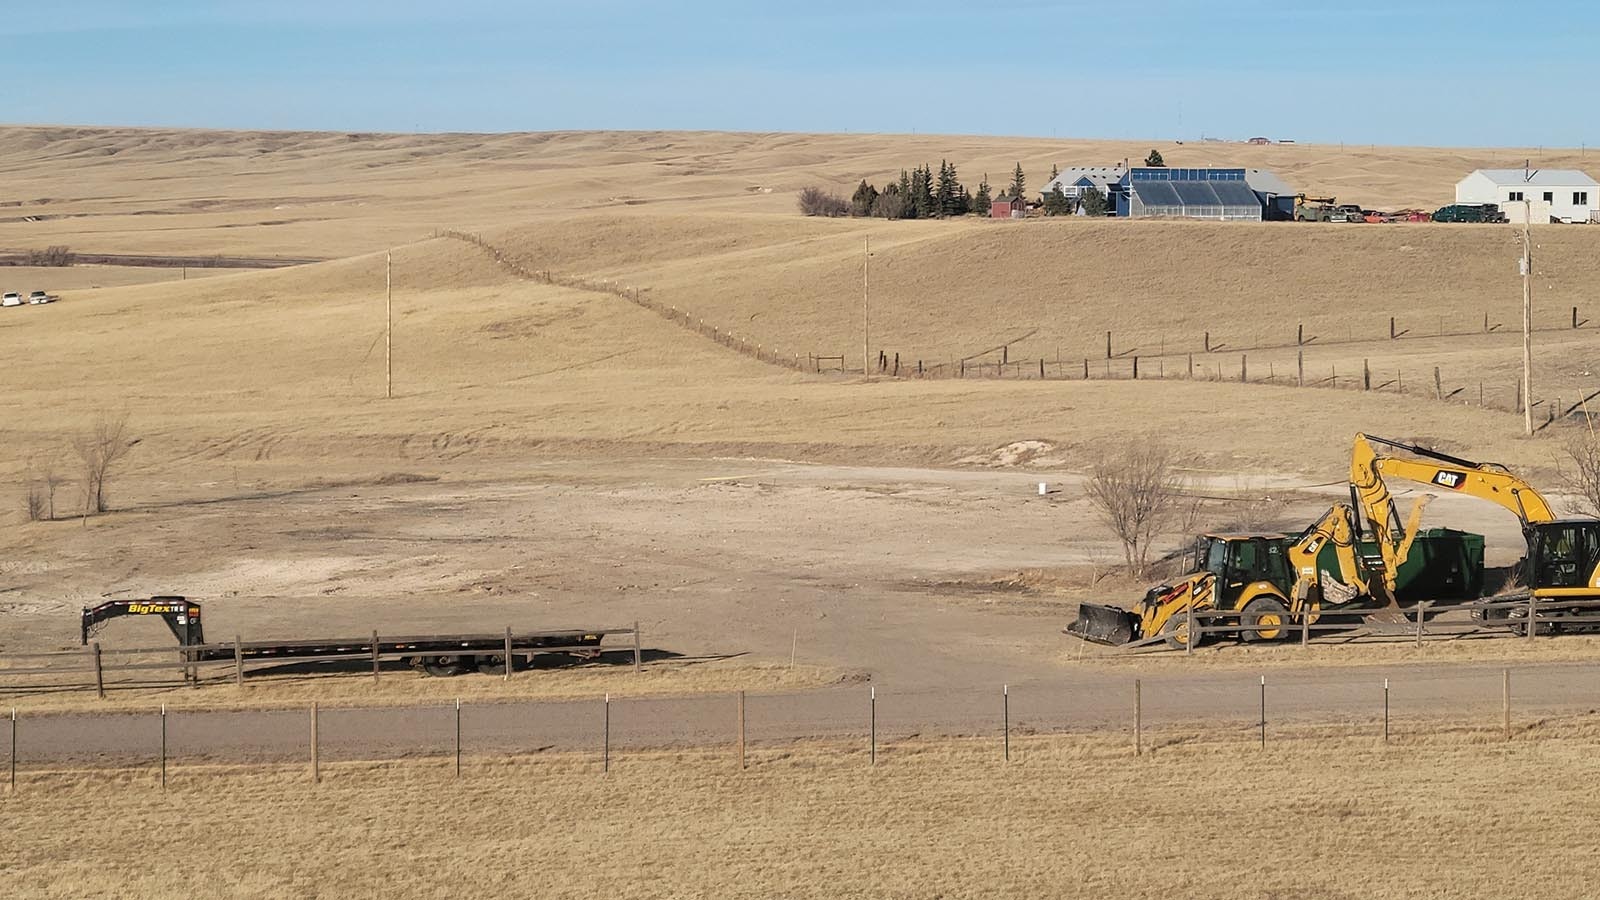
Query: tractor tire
(443, 666)
(1264, 619)
(1176, 633)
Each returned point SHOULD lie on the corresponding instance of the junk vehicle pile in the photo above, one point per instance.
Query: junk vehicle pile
(1360, 556)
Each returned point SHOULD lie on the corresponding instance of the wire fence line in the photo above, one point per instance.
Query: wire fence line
(1196, 358)
(1234, 706)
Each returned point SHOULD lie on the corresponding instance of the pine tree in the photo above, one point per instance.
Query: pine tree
(862, 201)
(908, 203)
(1056, 202)
(1019, 183)
(963, 202)
(1093, 202)
(1154, 160)
(948, 195)
(1054, 172)
(922, 187)
(981, 201)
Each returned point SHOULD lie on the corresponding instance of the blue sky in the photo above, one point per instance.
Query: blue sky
(1463, 73)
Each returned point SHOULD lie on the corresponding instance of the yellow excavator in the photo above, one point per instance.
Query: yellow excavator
(1268, 579)
(1563, 554)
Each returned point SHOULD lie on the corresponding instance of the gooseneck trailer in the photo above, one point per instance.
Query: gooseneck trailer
(435, 654)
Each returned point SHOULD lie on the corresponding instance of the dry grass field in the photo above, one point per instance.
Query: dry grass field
(1205, 814)
(555, 455)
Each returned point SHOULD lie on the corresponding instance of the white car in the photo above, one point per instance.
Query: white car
(12, 298)
(38, 298)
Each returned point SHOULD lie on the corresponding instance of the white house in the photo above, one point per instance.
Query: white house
(1566, 195)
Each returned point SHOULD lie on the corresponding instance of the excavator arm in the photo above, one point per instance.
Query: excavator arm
(1486, 481)
(1370, 494)
(1317, 586)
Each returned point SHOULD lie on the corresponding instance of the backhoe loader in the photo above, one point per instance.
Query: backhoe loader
(1563, 555)
(1267, 579)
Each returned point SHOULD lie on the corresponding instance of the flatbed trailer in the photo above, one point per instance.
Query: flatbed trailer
(435, 654)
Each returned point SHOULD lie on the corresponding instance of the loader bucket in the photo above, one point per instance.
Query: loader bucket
(1104, 624)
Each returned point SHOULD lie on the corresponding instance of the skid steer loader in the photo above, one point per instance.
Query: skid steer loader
(1264, 578)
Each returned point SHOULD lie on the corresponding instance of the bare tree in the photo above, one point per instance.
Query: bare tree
(815, 201)
(99, 449)
(33, 502)
(1580, 470)
(1138, 493)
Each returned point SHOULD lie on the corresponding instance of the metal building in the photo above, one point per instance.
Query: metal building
(1181, 193)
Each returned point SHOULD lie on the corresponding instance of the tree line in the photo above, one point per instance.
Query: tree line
(922, 194)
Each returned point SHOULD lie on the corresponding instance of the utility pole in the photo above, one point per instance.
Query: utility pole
(388, 325)
(866, 315)
(1527, 317)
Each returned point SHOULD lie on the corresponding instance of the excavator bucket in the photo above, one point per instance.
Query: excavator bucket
(1104, 624)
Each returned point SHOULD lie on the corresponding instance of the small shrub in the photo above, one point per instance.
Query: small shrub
(34, 504)
(55, 256)
(815, 201)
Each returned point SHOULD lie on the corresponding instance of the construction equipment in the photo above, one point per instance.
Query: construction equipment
(1265, 578)
(1563, 555)
(1313, 209)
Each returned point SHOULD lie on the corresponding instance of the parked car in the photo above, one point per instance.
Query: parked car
(1376, 217)
(11, 298)
(1469, 212)
(39, 297)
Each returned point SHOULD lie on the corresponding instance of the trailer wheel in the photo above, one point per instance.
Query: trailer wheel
(1263, 619)
(495, 664)
(442, 666)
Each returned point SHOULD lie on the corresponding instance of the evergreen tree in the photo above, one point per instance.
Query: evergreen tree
(963, 202)
(922, 187)
(1056, 202)
(1093, 202)
(862, 201)
(948, 193)
(908, 203)
(981, 201)
(1154, 160)
(1054, 172)
(1019, 183)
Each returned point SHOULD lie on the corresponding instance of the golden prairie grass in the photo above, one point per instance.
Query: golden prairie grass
(407, 688)
(1319, 813)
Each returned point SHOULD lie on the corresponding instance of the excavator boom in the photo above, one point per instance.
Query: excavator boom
(1486, 481)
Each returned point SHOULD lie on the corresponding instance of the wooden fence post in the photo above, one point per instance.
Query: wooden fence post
(1086, 368)
(1386, 710)
(741, 731)
(238, 661)
(1138, 718)
(375, 661)
(1505, 700)
(99, 673)
(1574, 317)
(1108, 345)
(1041, 368)
(1136, 368)
(1300, 335)
(509, 658)
(638, 661)
(605, 750)
(316, 767)
(1391, 328)
(1244, 370)
(1300, 368)
(1366, 376)
(1188, 645)
(1533, 610)
(458, 737)
(1191, 367)
(1207, 344)
(1305, 626)
(1438, 385)
(1422, 611)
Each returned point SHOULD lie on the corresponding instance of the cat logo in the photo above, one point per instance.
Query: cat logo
(1451, 480)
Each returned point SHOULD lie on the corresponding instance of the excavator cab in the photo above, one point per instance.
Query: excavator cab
(1565, 554)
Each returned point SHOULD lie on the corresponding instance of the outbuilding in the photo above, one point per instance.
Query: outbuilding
(1008, 208)
(1557, 195)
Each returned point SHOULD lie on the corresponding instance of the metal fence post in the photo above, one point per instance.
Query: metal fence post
(1263, 712)
(163, 746)
(375, 661)
(605, 753)
(1005, 717)
(1505, 700)
(1386, 710)
(872, 712)
(458, 737)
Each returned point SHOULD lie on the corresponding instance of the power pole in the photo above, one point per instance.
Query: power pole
(1527, 318)
(388, 325)
(866, 315)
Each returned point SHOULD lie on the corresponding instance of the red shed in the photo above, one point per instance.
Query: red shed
(1008, 208)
